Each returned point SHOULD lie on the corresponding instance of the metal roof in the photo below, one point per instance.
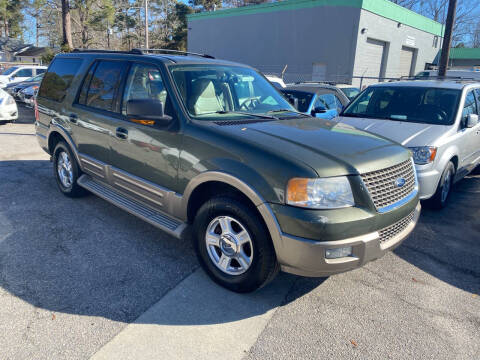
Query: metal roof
(465, 53)
(382, 8)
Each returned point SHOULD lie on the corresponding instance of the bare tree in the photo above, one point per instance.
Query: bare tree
(409, 4)
(66, 25)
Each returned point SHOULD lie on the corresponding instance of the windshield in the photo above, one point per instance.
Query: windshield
(301, 99)
(218, 92)
(36, 78)
(410, 104)
(10, 70)
(350, 92)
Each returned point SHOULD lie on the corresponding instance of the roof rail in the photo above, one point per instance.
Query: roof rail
(173, 52)
(438, 77)
(133, 51)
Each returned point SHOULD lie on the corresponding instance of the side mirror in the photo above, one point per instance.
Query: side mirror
(147, 112)
(318, 110)
(472, 120)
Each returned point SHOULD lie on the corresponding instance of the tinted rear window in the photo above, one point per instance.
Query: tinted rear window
(58, 78)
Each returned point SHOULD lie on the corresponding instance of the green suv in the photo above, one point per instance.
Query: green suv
(199, 146)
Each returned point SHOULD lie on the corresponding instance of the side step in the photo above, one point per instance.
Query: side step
(156, 218)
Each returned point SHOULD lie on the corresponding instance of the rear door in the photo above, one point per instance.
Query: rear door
(96, 113)
(145, 160)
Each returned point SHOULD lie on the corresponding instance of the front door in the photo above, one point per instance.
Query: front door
(470, 146)
(145, 159)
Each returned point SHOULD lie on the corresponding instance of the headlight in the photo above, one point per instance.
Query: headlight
(423, 154)
(10, 100)
(321, 193)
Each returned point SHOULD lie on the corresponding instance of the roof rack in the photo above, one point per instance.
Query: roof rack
(438, 77)
(173, 52)
(133, 51)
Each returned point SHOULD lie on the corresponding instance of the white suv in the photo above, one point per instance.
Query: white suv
(20, 73)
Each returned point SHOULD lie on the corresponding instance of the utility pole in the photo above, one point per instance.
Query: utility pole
(447, 40)
(146, 24)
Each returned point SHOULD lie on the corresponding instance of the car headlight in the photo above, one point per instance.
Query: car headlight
(10, 100)
(423, 155)
(320, 193)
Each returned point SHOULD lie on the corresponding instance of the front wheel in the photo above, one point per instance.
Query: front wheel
(233, 245)
(440, 198)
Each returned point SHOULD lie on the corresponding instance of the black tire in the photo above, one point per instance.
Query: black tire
(440, 199)
(264, 266)
(74, 190)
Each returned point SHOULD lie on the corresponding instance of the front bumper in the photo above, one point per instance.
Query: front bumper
(306, 257)
(428, 179)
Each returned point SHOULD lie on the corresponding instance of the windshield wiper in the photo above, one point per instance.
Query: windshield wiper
(287, 110)
(261, 116)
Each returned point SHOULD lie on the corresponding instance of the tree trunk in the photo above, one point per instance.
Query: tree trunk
(66, 24)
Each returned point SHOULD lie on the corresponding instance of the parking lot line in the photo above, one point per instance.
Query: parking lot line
(198, 320)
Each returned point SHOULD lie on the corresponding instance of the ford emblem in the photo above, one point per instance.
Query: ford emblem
(400, 182)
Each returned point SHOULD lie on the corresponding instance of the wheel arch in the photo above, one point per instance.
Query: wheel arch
(240, 187)
(56, 134)
(216, 179)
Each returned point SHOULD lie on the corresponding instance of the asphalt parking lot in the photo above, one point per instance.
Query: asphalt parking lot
(81, 278)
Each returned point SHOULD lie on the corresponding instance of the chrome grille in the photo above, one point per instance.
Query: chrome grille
(381, 184)
(395, 229)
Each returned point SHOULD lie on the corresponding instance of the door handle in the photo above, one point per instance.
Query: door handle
(73, 118)
(121, 133)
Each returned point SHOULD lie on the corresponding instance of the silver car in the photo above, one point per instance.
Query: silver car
(437, 120)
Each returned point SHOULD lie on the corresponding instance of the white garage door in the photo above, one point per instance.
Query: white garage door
(406, 60)
(371, 61)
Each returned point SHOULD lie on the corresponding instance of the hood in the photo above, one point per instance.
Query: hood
(405, 133)
(4, 78)
(330, 148)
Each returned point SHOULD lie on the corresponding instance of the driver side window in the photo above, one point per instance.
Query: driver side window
(470, 106)
(145, 82)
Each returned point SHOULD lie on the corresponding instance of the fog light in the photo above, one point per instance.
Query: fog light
(338, 252)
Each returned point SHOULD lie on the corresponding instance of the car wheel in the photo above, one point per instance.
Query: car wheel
(66, 171)
(233, 245)
(439, 200)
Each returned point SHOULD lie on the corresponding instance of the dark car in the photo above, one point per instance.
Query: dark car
(15, 88)
(185, 141)
(323, 101)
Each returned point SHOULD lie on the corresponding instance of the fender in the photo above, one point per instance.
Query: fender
(449, 153)
(55, 127)
(262, 206)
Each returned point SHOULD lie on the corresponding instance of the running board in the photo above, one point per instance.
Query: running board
(164, 222)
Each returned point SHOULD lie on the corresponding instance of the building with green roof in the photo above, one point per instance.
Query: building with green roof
(328, 40)
(465, 58)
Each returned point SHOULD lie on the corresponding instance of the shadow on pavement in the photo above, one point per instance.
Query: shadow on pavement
(446, 243)
(87, 257)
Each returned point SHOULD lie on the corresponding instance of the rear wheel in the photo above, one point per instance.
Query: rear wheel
(66, 171)
(233, 245)
(440, 198)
